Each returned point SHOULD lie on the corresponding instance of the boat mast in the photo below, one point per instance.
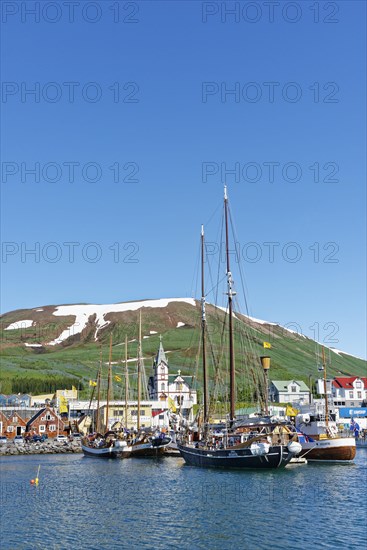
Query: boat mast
(325, 389)
(231, 293)
(109, 382)
(98, 388)
(139, 371)
(126, 382)
(203, 330)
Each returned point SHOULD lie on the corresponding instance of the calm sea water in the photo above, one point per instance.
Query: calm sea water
(141, 503)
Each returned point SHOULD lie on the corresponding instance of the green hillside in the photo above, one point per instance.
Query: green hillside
(75, 360)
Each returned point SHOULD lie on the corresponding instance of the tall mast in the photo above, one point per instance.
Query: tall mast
(109, 382)
(98, 389)
(126, 382)
(231, 293)
(325, 389)
(139, 371)
(203, 328)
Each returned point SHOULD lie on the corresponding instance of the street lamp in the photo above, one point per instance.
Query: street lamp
(265, 362)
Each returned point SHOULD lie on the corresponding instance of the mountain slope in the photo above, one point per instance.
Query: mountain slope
(65, 341)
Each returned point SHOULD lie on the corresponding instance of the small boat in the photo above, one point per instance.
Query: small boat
(150, 444)
(318, 431)
(98, 446)
(257, 443)
(111, 444)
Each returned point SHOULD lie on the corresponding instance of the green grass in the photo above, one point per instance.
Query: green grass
(292, 356)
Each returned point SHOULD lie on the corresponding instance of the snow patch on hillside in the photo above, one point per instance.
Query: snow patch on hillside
(340, 352)
(180, 324)
(83, 312)
(33, 345)
(19, 324)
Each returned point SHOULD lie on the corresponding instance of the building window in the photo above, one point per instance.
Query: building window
(134, 413)
(15, 420)
(10, 429)
(52, 428)
(142, 413)
(359, 395)
(49, 417)
(41, 428)
(351, 395)
(178, 386)
(294, 389)
(163, 387)
(161, 417)
(117, 413)
(358, 384)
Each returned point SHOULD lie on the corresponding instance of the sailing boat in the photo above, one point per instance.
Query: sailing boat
(320, 439)
(109, 445)
(257, 443)
(146, 443)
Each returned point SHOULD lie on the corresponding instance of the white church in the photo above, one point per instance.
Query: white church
(172, 390)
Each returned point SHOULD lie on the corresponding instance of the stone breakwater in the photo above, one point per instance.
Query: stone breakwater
(46, 447)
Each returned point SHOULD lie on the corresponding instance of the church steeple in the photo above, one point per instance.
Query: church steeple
(160, 374)
(161, 356)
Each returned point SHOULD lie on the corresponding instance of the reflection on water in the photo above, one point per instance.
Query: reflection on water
(146, 503)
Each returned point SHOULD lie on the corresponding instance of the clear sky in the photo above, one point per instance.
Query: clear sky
(140, 111)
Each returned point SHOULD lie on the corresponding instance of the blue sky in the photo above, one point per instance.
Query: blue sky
(174, 131)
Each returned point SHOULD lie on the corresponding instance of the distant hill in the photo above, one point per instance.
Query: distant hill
(62, 343)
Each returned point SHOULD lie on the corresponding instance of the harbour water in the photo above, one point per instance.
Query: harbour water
(145, 503)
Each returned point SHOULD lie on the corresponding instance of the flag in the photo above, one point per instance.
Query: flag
(157, 412)
(267, 345)
(117, 378)
(92, 383)
(63, 406)
(171, 405)
(304, 438)
(290, 411)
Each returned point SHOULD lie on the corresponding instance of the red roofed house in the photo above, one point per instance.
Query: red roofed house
(11, 424)
(349, 391)
(45, 421)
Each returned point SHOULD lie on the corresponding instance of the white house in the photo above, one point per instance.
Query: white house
(289, 391)
(346, 391)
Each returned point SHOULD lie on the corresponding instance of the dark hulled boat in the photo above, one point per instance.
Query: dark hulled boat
(267, 444)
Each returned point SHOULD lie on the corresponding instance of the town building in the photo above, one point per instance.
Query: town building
(11, 424)
(348, 391)
(45, 422)
(289, 391)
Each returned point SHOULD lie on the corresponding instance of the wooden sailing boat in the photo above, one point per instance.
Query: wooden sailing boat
(146, 443)
(109, 445)
(258, 443)
(320, 440)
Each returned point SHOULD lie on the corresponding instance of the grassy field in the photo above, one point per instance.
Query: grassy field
(77, 359)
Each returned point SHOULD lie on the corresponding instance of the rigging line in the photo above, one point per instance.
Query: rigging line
(242, 277)
(215, 286)
(195, 275)
(213, 214)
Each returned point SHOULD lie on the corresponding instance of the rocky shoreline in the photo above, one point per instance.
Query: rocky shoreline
(46, 447)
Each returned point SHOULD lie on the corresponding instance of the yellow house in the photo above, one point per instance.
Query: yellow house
(117, 412)
(41, 399)
(68, 394)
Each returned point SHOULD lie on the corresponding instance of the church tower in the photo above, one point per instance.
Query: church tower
(159, 385)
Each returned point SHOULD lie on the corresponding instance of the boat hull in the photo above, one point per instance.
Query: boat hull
(105, 452)
(277, 457)
(333, 449)
(153, 448)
